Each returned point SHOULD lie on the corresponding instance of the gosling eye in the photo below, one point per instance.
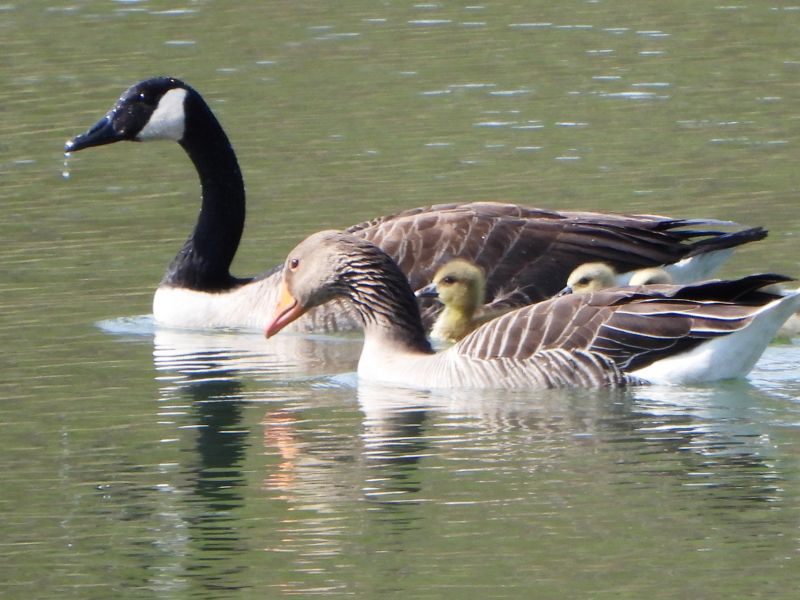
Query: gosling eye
(294, 263)
(583, 280)
(447, 280)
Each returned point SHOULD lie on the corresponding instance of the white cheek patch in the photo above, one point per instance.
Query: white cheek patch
(168, 119)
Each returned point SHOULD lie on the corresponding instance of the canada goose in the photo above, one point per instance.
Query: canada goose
(460, 286)
(661, 334)
(526, 253)
(596, 276)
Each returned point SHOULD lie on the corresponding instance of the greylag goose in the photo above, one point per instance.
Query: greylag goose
(526, 253)
(658, 334)
(460, 286)
(596, 276)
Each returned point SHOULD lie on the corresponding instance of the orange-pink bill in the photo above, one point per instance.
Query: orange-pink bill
(286, 311)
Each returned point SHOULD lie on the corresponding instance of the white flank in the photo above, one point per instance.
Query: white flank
(726, 357)
(247, 307)
(168, 120)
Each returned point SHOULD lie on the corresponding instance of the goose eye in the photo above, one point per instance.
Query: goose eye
(448, 280)
(294, 263)
(583, 280)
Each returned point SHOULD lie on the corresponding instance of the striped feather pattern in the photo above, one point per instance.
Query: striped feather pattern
(551, 368)
(527, 253)
(631, 326)
(599, 339)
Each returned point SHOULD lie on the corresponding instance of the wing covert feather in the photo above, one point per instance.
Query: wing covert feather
(630, 327)
(528, 253)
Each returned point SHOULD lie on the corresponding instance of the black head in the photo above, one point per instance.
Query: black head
(150, 109)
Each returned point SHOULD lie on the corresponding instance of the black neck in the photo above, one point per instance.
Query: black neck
(205, 259)
(381, 295)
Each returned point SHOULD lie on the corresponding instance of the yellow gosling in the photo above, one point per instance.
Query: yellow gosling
(651, 276)
(590, 277)
(460, 285)
(596, 276)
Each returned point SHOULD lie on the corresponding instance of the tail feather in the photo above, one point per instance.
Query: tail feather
(721, 240)
(735, 290)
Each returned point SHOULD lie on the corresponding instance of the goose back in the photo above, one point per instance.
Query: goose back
(675, 335)
(528, 253)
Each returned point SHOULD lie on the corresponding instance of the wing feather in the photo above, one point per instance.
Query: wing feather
(628, 328)
(528, 253)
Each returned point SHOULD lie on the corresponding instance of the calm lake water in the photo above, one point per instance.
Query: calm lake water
(137, 462)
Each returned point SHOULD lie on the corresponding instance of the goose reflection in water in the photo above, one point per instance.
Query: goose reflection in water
(331, 443)
(308, 472)
(183, 352)
(702, 438)
(704, 429)
(214, 485)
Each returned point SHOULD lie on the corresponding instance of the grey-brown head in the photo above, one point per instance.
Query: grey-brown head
(333, 264)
